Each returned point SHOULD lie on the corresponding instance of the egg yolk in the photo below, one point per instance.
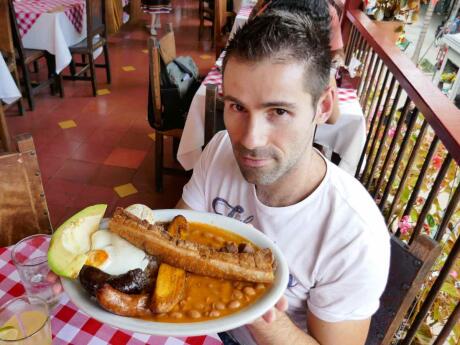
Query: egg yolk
(96, 258)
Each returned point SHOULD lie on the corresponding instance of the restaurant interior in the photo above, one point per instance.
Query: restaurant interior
(82, 123)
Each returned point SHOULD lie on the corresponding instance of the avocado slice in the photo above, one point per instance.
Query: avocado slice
(72, 240)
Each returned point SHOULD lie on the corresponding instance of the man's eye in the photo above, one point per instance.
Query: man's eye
(279, 111)
(237, 107)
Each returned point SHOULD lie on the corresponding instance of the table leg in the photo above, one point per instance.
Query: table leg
(158, 22)
(56, 84)
(153, 16)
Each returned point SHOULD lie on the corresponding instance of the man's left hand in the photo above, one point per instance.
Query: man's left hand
(270, 316)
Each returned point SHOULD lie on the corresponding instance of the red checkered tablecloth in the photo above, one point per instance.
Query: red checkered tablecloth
(346, 95)
(245, 10)
(28, 11)
(71, 326)
(215, 77)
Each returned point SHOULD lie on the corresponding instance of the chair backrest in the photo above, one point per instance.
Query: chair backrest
(161, 52)
(95, 20)
(6, 36)
(23, 209)
(214, 113)
(168, 45)
(409, 267)
(155, 81)
(17, 41)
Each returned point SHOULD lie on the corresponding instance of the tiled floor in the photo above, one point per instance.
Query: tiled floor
(88, 146)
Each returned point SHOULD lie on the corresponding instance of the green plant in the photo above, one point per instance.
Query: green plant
(402, 10)
(426, 66)
(449, 295)
(448, 77)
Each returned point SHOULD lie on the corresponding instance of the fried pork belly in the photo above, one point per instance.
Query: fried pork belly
(256, 266)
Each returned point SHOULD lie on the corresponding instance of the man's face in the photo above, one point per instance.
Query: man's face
(269, 116)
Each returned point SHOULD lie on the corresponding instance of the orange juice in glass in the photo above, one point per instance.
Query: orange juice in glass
(25, 322)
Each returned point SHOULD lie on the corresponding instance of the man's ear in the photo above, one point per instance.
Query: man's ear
(325, 105)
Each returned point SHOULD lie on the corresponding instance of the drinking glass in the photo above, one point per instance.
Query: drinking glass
(30, 258)
(25, 322)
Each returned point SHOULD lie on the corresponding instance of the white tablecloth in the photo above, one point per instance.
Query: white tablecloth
(54, 32)
(348, 135)
(9, 91)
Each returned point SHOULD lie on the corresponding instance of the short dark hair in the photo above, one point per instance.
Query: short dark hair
(318, 10)
(286, 36)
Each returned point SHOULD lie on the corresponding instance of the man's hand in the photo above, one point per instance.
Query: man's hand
(274, 326)
(270, 316)
(52, 278)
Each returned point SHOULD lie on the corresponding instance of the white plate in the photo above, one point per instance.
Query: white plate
(246, 315)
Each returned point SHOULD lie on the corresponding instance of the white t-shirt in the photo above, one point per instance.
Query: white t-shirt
(335, 240)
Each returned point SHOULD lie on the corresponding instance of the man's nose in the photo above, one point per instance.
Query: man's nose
(254, 133)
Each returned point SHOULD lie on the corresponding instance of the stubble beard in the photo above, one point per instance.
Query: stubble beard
(264, 176)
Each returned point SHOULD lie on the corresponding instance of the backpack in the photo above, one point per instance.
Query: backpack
(179, 83)
(182, 73)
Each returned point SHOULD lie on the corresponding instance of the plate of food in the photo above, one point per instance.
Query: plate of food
(167, 272)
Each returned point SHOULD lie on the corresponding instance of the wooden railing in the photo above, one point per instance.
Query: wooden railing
(410, 165)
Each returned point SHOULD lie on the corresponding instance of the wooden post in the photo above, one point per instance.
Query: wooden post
(135, 11)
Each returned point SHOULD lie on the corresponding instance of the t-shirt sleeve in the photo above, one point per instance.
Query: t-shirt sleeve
(336, 41)
(354, 279)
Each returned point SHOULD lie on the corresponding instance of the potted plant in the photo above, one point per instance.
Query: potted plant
(447, 80)
(405, 11)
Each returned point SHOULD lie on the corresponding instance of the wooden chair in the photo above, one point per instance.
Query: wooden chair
(7, 48)
(26, 57)
(161, 52)
(214, 113)
(220, 20)
(408, 269)
(23, 209)
(206, 14)
(215, 12)
(96, 37)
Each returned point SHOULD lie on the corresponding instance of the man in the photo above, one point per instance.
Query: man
(263, 170)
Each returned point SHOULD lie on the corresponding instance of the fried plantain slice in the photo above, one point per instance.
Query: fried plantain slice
(179, 227)
(169, 289)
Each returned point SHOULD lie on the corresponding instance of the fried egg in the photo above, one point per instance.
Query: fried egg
(113, 254)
